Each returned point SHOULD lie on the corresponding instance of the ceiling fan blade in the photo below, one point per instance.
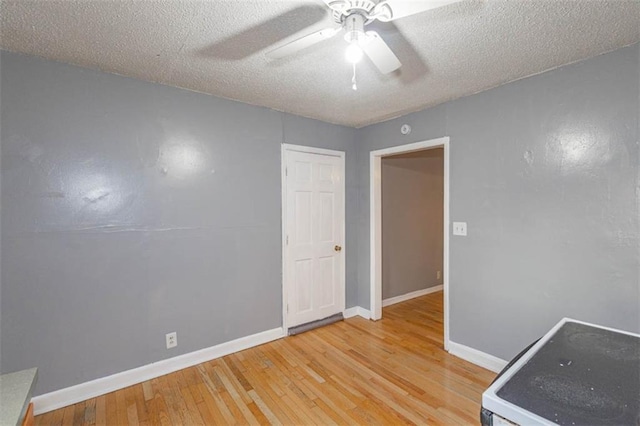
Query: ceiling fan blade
(380, 54)
(302, 43)
(390, 10)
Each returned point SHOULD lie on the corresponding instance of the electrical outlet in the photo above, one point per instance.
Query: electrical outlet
(172, 340)
(460, 228)
(439, 275)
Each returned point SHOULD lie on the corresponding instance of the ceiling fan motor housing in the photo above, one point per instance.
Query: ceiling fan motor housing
(342, 9)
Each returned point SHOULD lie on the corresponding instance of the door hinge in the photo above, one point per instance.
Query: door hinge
(286, 171)
(287, 240)
(287, 308)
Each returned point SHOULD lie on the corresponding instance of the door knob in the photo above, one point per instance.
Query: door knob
(337, 248)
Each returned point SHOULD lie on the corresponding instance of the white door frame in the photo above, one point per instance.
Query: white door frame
(310, 150)
(375, 183)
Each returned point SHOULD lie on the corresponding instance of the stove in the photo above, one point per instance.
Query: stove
(577, 374)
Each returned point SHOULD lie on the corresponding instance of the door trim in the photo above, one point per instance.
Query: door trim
(375, 212)
(309, 150)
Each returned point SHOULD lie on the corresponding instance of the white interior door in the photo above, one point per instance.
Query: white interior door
(314, 282)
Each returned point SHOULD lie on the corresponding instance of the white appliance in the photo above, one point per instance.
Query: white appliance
(577, 374)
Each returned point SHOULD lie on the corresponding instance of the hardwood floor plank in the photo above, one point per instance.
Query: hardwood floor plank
(44, 419)
(121, 407)
(393, 371)
(212, 406)
(67, 417)
(55, 419)
(264, 408)
(78, 415)
(191, 406)
(141, 405)
(147, 389)
(130, 403)
(187, 415)
(101, 410)
(132, 415)
(165, 395)
(233, 398)
(111, 408)
(269, 393)
(229, 413)
(90, 412)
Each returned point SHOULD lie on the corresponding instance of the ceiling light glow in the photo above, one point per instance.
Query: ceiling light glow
(353, 53)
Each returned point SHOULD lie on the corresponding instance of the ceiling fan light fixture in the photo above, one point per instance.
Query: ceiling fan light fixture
(354, 35)
(354, 27)
(353, 54)
(352, 16)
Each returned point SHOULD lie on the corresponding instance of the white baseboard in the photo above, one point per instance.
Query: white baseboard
(477, 357)
(409, 296)
(83, 391)
(357, 311)
(350, 312)
(364, 313)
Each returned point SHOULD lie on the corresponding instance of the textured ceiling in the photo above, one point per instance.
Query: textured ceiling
(218, 47)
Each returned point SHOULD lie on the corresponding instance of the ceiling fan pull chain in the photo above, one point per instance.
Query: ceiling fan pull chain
(354, 84)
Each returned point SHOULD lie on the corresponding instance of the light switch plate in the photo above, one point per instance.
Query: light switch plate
(460, 228)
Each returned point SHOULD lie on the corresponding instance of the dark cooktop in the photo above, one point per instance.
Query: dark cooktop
(583, 375)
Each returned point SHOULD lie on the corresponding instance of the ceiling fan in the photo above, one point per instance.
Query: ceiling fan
(352, 16)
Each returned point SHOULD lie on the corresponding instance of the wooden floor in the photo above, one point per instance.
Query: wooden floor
(353, 372)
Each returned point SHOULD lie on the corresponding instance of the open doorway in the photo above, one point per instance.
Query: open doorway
(376, 157)
(412, 225)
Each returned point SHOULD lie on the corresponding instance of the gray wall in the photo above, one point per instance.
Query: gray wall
(545, 172)
(412, 221)
(131, 209)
